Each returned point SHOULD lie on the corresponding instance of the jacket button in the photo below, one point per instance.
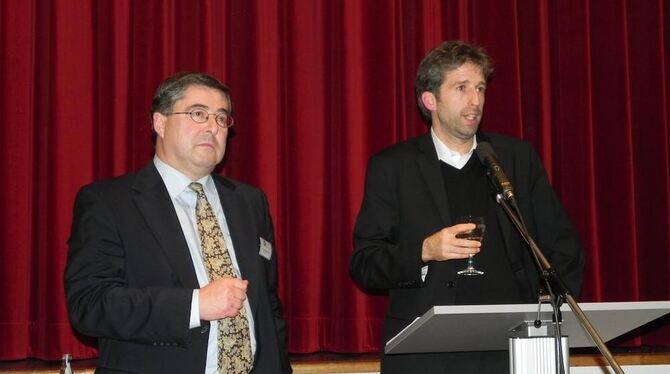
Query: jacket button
(450, 284)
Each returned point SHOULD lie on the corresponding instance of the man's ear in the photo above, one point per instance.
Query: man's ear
(429, 100)
(158, 123)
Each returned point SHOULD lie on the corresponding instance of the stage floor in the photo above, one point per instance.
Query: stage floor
(321, 363)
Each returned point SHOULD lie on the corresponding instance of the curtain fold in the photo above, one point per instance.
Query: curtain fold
(318, 87)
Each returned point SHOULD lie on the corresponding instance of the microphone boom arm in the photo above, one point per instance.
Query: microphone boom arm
(549, 275)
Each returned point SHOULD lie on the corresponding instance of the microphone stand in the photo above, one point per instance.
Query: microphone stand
(549, 275)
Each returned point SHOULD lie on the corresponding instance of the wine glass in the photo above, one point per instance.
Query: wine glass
(475, 234)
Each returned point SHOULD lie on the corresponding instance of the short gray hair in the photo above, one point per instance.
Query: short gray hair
(172, 89)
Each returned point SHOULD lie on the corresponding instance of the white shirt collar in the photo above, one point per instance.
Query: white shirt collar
(176, 182)
(448, 155)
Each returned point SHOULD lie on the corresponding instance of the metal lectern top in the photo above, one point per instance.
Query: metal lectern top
(457, 328)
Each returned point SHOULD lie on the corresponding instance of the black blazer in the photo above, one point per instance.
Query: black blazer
(405, 201)
(129, 277)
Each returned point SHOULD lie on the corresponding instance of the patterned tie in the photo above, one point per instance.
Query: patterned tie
(234, 342)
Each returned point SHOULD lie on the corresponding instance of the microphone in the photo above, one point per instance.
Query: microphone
(487, 156)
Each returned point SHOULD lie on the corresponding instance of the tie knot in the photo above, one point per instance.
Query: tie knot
(197, 187)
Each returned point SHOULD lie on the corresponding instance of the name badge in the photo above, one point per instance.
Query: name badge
(265, 249)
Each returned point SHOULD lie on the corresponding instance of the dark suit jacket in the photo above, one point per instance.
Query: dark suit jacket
(129, 278)
(405, 201)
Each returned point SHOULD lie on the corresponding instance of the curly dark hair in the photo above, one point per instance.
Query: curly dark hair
(446, 57)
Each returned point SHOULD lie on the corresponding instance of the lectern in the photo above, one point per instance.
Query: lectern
(458, 328)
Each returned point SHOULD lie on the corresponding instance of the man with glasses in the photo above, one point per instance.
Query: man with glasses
(173, 267)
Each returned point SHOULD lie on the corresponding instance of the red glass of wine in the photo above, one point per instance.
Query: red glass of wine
(475, 234)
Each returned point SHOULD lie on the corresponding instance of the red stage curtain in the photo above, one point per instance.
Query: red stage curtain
(319, 86)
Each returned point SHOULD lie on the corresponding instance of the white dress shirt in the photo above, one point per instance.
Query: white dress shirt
(448, 155)
(184, 199)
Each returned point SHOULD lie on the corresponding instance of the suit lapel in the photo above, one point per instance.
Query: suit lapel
(245, 242)
(430, 169)
(153, 201)
(507, 229)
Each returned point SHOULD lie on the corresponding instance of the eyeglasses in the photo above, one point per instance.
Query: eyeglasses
(222, 119)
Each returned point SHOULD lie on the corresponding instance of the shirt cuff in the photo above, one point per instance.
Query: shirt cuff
(195, 310)
(424, 272)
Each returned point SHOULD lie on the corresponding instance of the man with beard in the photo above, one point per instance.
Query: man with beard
(406, 239)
